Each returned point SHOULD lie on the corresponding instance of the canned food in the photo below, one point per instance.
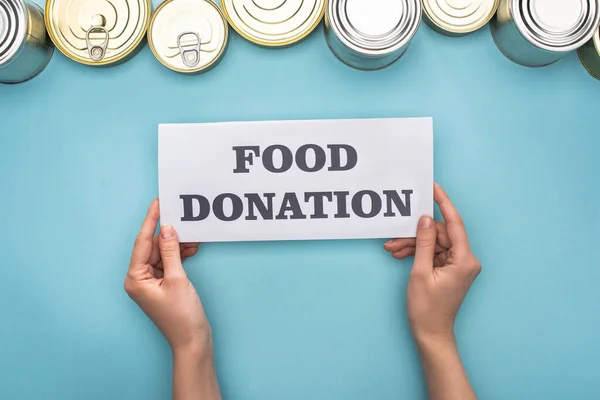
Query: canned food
(274, 23)
(458, 17)
(535, 33)
(371, 35)
(25, 48)
(99, 33)
(589, 54)
(188, 36)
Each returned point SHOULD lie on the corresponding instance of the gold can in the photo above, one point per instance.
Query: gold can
(99, 33)
(274, 23)
(188, 36)
(589, 54)
(458, 17)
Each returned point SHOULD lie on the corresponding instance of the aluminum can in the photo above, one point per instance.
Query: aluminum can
(274, 23)
(25, 48)
(589, 54)
(458, 17)
(98, 33)
(535, 33)
(370, 35)
(188, 36)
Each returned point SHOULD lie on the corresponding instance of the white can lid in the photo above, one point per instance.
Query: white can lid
(374, 27)
(12, 28)
(557, 25)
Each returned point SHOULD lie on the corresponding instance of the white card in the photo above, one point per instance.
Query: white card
(296, 180)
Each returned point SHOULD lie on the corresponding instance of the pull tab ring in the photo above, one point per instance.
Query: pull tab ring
(190, 57)
(96, 52)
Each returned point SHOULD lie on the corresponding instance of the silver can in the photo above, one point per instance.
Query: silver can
(535, 33)
(25, 48)
(368, 34)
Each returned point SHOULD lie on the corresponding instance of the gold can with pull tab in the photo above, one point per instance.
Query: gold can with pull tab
(98, 32)
(275, 23)
(188, 36)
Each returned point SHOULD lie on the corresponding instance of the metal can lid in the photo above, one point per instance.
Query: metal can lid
(460, 16)
(95, 32)
(274, 22)
(188, 35)
(13, 25)
(557, 25)
(374, 27)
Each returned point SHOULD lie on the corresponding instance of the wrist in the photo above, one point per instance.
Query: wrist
(437, 341)
(200, 350)
(194, 373)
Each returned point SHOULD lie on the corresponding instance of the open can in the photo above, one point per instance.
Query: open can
(98, 33)
(25, 48)
(589, 54)
(371, 35)
(535, 33)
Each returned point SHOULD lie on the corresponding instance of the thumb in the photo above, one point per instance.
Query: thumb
(426, 239)
(168, 244)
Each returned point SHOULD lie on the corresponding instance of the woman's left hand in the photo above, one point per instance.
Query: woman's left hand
(157, 282)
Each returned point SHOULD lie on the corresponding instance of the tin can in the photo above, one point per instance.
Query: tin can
(371, 35)
(188, 36)
(589, 54)
(98, 33)
(274, 23)
(458, 17)
(535, 33)
(25, 48)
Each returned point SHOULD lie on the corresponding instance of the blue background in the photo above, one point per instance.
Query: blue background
(516, 148)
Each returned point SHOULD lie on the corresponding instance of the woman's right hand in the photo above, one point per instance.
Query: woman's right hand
(442, 273)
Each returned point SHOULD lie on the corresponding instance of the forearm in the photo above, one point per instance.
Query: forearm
(195, 376)
(444, 372)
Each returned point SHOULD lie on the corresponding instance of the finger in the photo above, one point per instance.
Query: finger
(438, 249)
(189, 249)
(155, 255)
(398, 244)
(170, 253)
(189, 252)
(441, 259)
(405, 252)
(142, 250)
(443, 242)
(442, 235)
(158, 273)
(454, 222)
(426, 242)
(188, 245)
(159, 266)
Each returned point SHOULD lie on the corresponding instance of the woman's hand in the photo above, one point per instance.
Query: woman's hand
(157, 282)
(442, 273)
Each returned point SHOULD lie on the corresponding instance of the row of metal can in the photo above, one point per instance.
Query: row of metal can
(191, 36)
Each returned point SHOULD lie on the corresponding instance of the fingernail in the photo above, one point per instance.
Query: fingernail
(166, 231)
(388, 242)
(426, 222)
